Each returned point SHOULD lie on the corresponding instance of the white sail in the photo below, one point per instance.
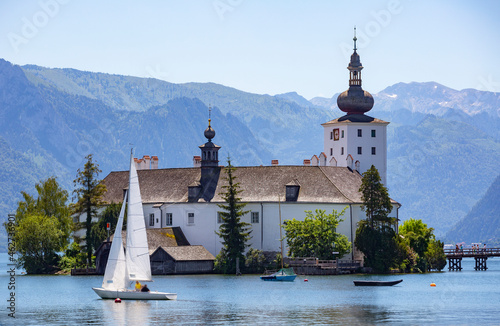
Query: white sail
(137, 253)
(115, 276)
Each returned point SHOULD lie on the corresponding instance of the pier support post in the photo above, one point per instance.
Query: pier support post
(455, 263)
(480, 263)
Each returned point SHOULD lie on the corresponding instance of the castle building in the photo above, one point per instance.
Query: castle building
(188, 198)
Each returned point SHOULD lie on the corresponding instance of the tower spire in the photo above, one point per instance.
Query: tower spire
(209, 114)
(355, 38)
(355, 100)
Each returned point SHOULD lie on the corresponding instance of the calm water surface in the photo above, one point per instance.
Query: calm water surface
(460, 298)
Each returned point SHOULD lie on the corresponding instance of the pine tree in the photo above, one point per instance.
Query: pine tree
(234, 232)
(89, 190)
(375, 197)
(375, 236)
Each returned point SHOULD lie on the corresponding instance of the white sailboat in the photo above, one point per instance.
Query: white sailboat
(123, 268)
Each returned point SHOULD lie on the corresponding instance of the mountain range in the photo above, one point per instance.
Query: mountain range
(443, 144)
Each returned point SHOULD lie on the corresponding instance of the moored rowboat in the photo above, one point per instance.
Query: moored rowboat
(376, 283)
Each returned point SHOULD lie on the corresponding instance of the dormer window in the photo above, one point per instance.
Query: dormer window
(292, 190)
(193, 192)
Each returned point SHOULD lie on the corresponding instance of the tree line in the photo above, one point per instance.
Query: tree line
(44, 223)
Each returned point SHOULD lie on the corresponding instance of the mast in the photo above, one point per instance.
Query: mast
(281, 237)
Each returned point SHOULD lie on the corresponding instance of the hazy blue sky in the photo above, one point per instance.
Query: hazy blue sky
(265, 47)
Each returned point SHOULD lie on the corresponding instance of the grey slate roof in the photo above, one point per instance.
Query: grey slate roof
(188, 253)
(164, 237)
(318, 184)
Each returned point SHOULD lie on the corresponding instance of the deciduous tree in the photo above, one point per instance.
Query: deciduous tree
(42, 227)
(316, 235)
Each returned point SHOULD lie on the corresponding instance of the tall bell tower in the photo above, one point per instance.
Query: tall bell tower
(356, 140)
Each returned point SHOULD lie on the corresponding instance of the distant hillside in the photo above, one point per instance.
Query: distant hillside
(443, 145)
(482, 223)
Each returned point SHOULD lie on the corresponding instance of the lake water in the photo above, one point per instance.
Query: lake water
(459, 298)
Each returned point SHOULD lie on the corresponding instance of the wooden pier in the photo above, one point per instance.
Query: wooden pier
(314, 266)
(480, 255)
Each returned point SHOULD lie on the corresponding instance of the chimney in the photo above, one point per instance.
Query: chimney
(154, 162)
(196, 161)
(147, 162)
(307, 162)
(274, 163)
(138, 164)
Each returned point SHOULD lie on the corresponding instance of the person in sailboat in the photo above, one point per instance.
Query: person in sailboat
(145, 288)
(138, 286)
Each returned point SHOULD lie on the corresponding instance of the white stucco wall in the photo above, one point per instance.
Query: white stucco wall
(350, 142)
(265, 234)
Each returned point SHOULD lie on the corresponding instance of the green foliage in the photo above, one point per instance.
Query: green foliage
(428, 253)
(316, 235)
(42, 227)
(233, 232)
(436, 259)
(375, 197)
(38, 237)
(380, 246)
(417, 235)
(89, 192)
(73, 258)
(51, 201)
(255, 261)
(375, 236)
(109, 215)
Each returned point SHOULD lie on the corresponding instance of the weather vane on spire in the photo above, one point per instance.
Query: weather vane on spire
(355, 38)
(209, 114)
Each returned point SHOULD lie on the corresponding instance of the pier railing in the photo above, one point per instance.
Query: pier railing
(480, 255)
(469, 252)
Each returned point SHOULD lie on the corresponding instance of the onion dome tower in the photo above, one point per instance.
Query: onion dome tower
(355, 101)
(209, 151)
(356, 140)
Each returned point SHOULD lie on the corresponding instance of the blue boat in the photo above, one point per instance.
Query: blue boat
(283, 275)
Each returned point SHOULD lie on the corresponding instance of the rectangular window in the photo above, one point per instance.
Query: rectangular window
(374, 152)
(151, 219)
(360, 133)
(255, 217)
(374, 133)
(168, 219)
(190, 218)
(342, 151)
(342, 133)
(359, 151)
(219, 217)
(331, 151)
(331, 134)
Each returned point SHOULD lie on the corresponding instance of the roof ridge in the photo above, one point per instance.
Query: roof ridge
(333, 183)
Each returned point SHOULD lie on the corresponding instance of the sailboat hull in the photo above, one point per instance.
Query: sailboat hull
(278, 278)
(134, 295)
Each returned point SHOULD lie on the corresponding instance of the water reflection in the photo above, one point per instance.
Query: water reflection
(466, 297)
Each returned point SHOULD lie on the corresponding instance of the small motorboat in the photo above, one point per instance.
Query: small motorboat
(283, 275)
(376, 283)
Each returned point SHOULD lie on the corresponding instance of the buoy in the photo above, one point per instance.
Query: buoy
(433, 284)
(118, 300)
(306, 280)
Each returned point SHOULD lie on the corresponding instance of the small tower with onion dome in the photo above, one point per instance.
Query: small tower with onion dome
(356, 140)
